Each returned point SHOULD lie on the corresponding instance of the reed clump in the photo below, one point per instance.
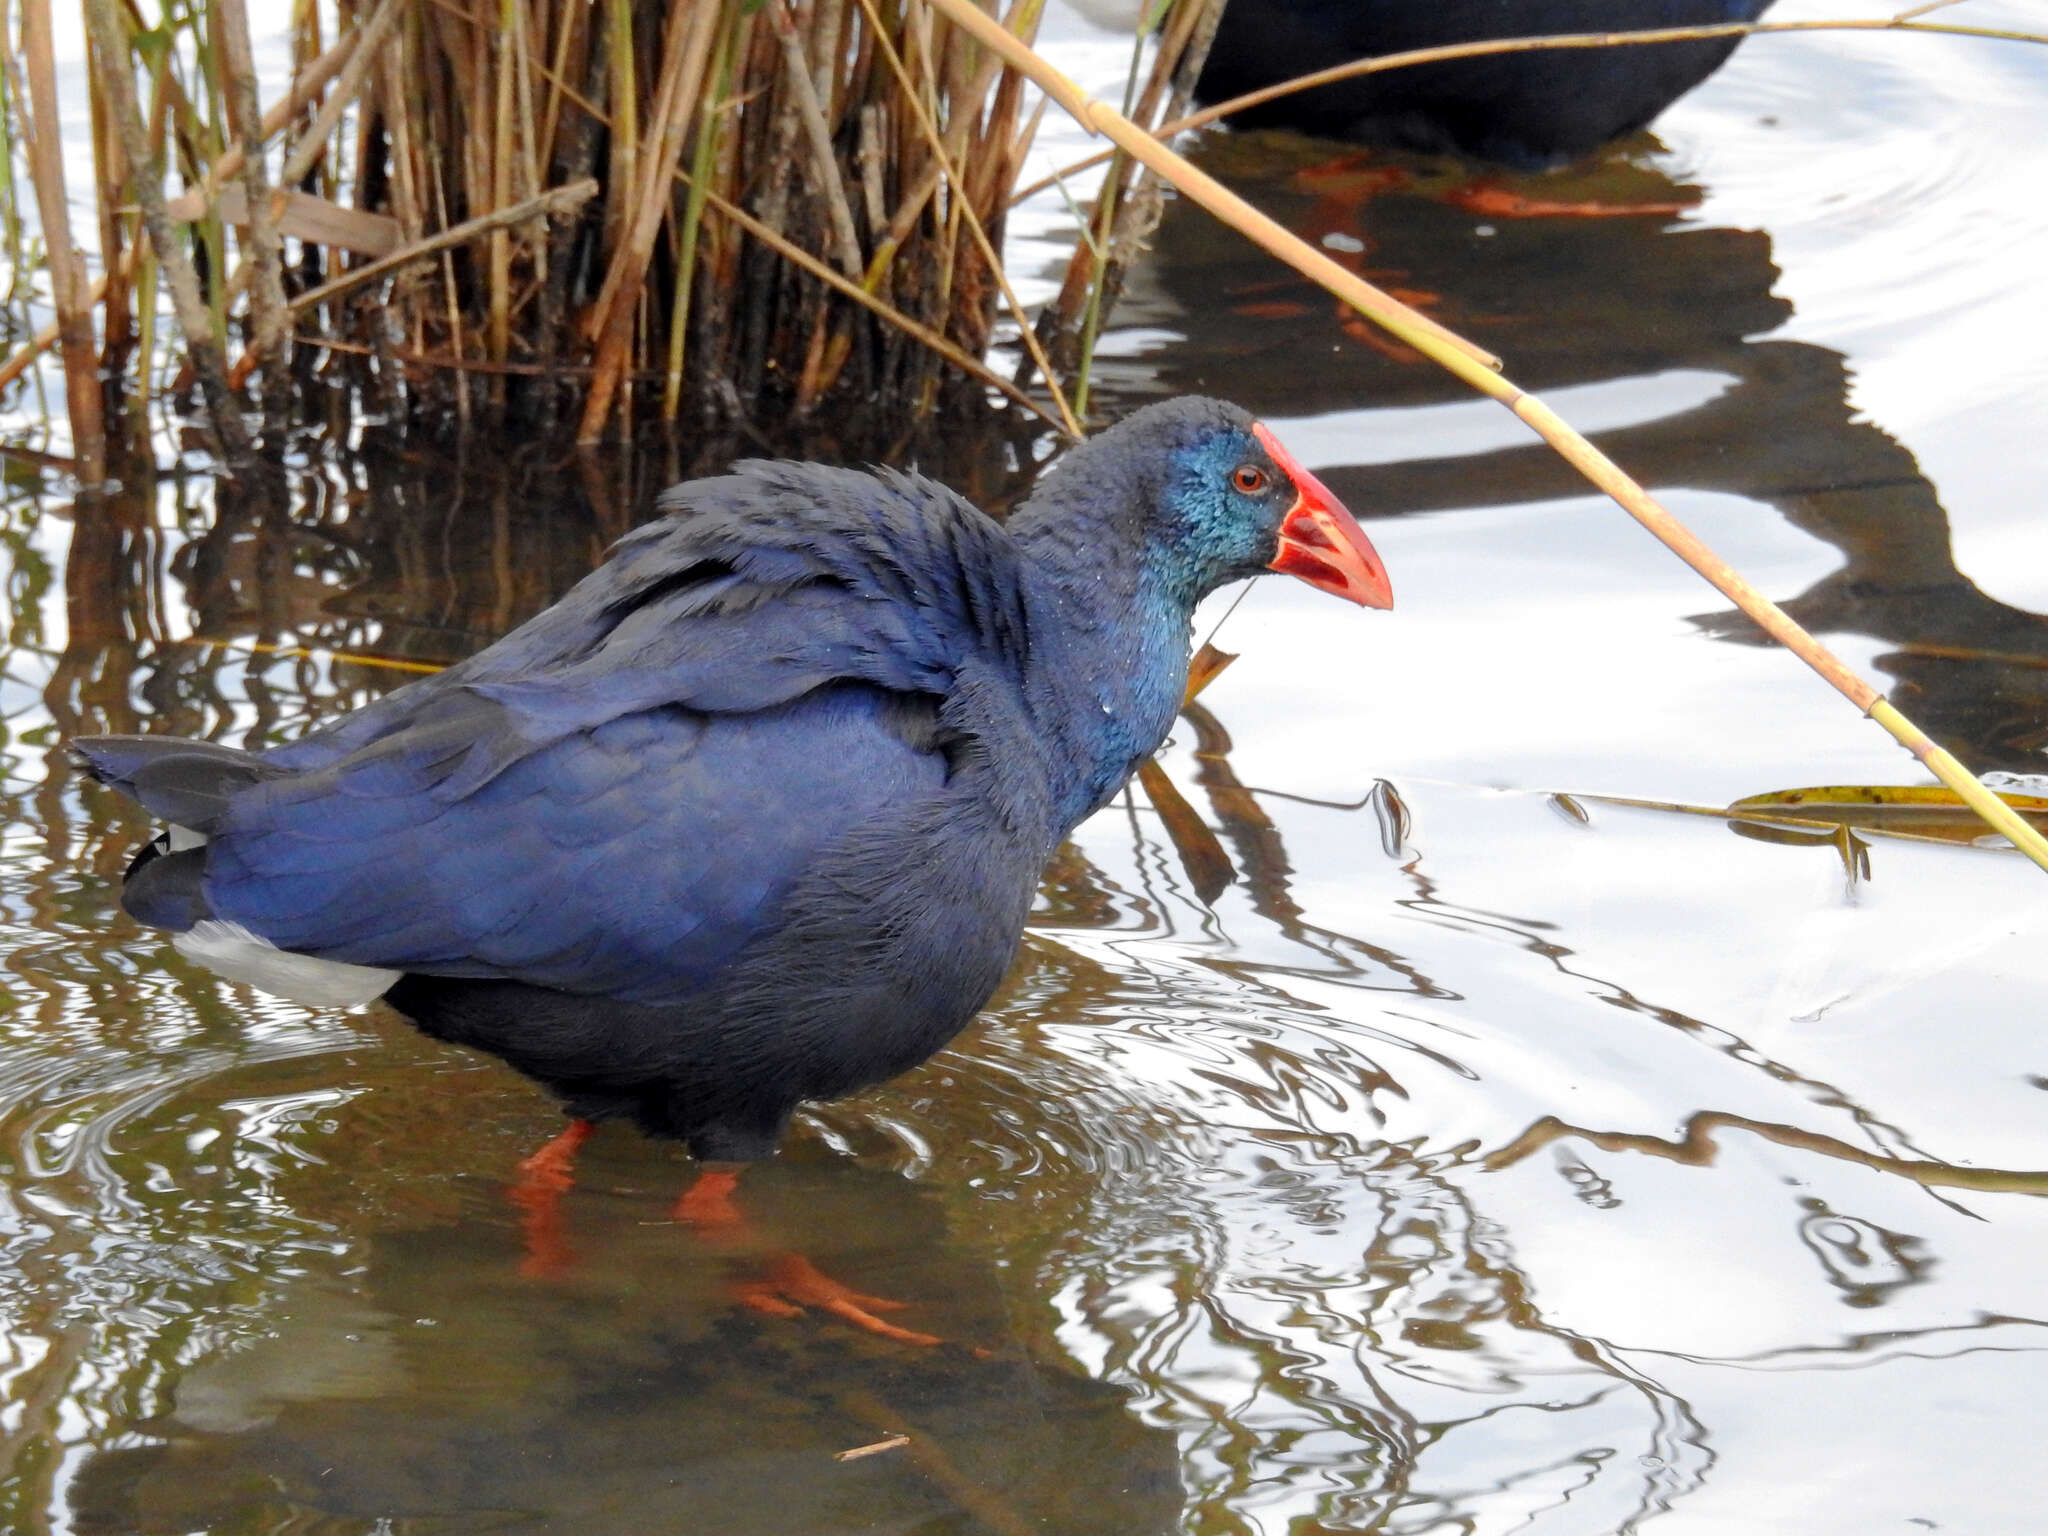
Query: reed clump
(562, 213)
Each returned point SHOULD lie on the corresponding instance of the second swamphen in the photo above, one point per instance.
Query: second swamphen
(1529, 110)
(755, 814)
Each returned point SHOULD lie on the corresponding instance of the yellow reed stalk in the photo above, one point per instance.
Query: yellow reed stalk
(69, 285)
(1902, 22)
(1478, 369)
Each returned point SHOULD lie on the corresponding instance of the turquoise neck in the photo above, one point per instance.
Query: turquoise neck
(1109, 630)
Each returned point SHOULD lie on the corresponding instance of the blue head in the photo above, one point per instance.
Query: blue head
(1209, 497)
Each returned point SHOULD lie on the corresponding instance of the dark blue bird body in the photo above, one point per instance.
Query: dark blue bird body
(1524, 109)
(753, 815)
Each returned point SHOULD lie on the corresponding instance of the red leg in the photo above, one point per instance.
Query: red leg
(707, 1204)
(543, 1179)
(789, 1283)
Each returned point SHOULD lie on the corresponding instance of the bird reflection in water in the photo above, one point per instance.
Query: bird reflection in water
(429, 1382)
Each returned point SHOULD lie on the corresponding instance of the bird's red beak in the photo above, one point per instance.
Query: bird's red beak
(1320, 541)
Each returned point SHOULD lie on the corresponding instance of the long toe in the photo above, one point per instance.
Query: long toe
(793, 1283)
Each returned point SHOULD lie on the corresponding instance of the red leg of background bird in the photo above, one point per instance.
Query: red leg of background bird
(1366, 334)
(1349, 182)
(1494, 201)
(543, 1179)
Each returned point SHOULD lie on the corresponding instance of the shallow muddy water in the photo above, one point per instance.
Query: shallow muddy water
(1487, 1156)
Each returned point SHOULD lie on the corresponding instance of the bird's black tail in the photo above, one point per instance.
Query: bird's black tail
(188, 784)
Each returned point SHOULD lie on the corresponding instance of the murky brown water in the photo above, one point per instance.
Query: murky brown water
(1468, 1164)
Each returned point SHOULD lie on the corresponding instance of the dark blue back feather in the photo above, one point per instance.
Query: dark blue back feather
(616, 797)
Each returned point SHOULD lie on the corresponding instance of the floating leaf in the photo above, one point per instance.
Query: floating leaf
(1800, 828)
(1926, 809)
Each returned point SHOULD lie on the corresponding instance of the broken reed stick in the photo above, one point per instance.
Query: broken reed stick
(1478, 369)
(68, 283)
(355, 56)
(552, 204)
(1356, 68)
(811, 117)
(311, 81)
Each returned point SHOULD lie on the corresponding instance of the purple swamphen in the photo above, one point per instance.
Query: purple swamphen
(755, 813)
(1528, 109)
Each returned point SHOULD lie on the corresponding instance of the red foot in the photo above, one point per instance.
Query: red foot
(789, 1285)
(793, 1283)
(543, 1179)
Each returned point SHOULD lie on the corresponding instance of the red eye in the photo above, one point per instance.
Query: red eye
(1248, 478)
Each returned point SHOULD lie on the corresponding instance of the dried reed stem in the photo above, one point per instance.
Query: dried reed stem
(690, 35)
(70, 287)
(270, 341)
(110, 43)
